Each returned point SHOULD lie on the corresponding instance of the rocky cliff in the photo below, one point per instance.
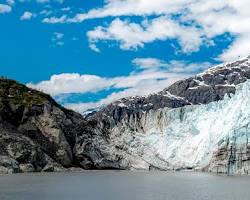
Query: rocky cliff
(197, 123)
(36, 134)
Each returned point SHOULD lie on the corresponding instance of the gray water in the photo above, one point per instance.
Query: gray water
(112, 185)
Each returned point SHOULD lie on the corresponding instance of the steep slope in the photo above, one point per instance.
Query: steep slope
(181, 127)
(36, 134)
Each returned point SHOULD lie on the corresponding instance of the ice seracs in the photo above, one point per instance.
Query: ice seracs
(187, 137)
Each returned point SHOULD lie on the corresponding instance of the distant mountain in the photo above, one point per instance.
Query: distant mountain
(198, 123)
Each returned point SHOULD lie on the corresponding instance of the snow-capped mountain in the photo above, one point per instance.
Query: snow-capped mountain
(197, 123)
(200, 123)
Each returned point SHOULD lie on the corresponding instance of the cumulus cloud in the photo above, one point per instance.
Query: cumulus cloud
(133, 35)
(76, 83)
(239, 48)
(26, 16)
(5, 8)
(199, 20)
(72, 83)
(153, 75)
(135, 84)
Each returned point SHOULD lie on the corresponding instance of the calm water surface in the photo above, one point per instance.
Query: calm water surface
(112, 185)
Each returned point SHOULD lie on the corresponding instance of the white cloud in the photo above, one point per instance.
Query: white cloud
(218, 17)
(173, 66)
(148, 63)
(133, 35)
(189, 68)
(59, 43)
(134, 8)
(71, 83)
(94, 48)
(213, 17)
(57, 38)
(239, 48)
(54, 20)
(135, 84)
(149, 79)
(46, 12)
(26, 16)
(5, 8)
(66, 9)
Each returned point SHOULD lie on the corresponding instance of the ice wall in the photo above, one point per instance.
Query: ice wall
(187, 137)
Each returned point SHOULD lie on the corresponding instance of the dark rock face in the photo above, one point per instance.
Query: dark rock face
(37, 134)
(34, 130)
(213, 84)
(92, 146)
(8, 165)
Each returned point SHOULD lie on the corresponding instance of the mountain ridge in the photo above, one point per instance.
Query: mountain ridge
(37, 134)
(186, 91)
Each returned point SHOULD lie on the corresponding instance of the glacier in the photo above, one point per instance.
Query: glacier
(187, 137)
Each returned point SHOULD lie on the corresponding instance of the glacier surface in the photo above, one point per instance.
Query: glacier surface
(182, 138)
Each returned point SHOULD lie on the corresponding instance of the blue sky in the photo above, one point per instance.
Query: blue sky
(92, 52)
